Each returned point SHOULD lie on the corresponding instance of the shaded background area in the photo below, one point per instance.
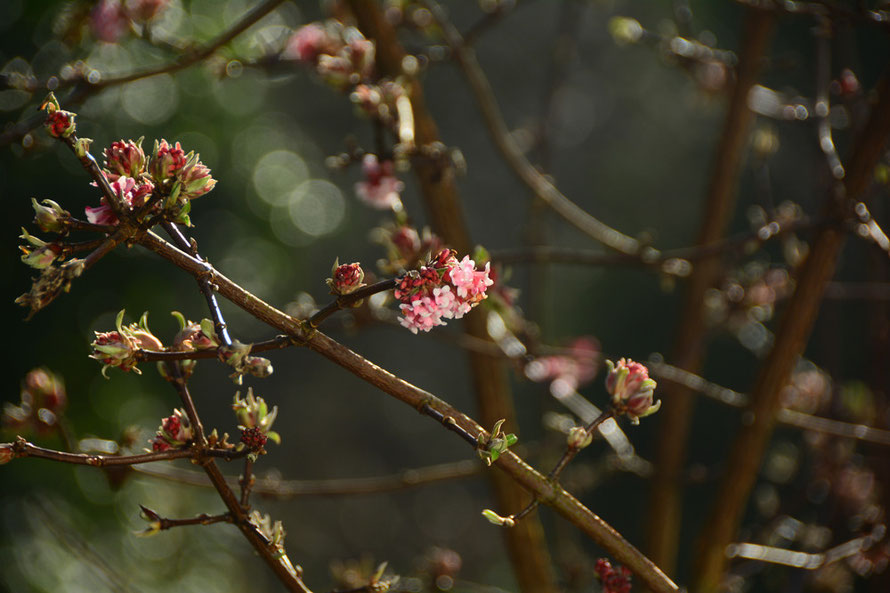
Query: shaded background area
(629, 137)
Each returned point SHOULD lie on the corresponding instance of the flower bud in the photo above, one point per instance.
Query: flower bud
(60, 124)
(253, 438)
(119, 348)
(41, 254)
(166, 161)
(194, 336)
(124, 158)
(49, 216)
(631, 389)
(175, 431)
(46, 390)
(345, 278)
(578, 437)
(496, 519)
(196, 181)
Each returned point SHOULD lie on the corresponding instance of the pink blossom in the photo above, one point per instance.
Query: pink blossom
(130, 196)
(308, 43)
(109, 21)
(381, 188)
(430, 296)
(471, 283)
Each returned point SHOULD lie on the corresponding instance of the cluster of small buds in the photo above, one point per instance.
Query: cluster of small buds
(444, 288)
(110, 19)
(345, 278)
(340, 55)
(237, 356)
(631, 389)
(380, 188)
(174, 432)
(52, 281)
(573, 369)
(43, 399)
(118, 348)
(613, 580)
(253, 413)
(133, 177)
(253, 438)
(379, 101)
(38, 254)
(847, 84)
(59, 123)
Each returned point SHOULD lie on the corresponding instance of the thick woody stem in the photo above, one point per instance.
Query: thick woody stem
(794, 329)
(665, 502)
(526, 544)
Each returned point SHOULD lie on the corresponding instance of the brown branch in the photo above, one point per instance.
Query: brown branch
(202, 519)
(751, 442)
(523, 474)
(347, 300)
(22, 448)
(665, 502)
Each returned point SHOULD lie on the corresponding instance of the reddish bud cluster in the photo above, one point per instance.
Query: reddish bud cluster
(573, 369)
(614, 580)
(253, 438)
(340, 55)
(346, 278)
(60, 124)
(380, 188)
(175, 431)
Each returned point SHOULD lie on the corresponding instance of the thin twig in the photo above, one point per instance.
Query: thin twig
(465, 57)
(822, 107)
(206, 287)
(202, 519)
(179, 383)
(246, 482)
(348, 300)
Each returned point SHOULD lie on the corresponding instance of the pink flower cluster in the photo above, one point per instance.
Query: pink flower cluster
(445, 288)
(129, 193)
(575, 368)
(614, 580)
(110, 19)
(380, 188)
(341, 55)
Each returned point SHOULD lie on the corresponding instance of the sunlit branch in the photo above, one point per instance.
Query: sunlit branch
(807, 561)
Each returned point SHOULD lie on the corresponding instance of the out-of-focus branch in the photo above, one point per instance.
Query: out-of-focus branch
(665, 502)
(797, 322)
(784, 416)
(84, 88)
(513, 155)
(526, 544)
(284, 489)
(552, 495)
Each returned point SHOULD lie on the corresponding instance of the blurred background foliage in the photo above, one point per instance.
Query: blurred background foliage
(628, 134)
